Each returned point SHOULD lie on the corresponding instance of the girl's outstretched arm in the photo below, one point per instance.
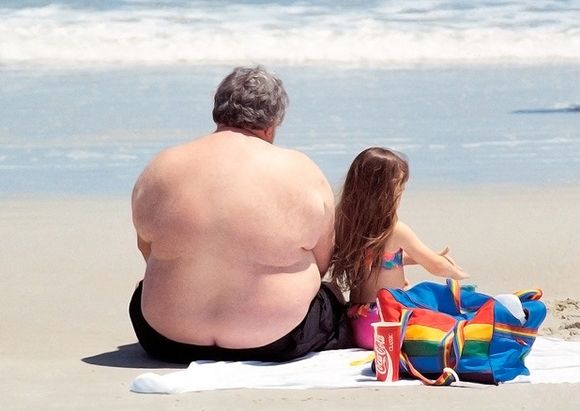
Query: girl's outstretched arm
(407, 260)
(441, 265)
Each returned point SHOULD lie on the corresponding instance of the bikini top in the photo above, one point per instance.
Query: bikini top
(392, 260)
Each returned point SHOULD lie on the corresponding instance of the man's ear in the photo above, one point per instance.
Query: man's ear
(269, 133)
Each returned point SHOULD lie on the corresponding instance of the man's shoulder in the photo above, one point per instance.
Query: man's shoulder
(172, 156)
(299, 167)
(301, 172)
(163, 168)
(293, 158)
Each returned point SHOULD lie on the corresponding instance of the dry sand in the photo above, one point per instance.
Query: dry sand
(68, 267)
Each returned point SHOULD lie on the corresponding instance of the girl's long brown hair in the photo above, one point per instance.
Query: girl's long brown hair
(366, 214)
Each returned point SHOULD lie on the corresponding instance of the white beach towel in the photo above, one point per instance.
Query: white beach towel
(550, 361)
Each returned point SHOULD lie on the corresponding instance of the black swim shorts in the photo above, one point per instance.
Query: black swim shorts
(325, 327)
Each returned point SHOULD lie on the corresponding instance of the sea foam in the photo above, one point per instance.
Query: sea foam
(377, 34)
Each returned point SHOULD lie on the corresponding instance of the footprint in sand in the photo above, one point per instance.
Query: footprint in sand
(563, 320)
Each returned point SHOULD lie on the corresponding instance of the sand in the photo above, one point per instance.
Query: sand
(68, 267)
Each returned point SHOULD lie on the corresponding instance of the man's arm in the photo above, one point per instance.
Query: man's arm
(144, 247)
(147, 198)
(319, 217)
(140, 216)
(324, 248)
(322, 251)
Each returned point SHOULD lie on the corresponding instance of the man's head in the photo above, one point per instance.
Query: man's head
(250, 98)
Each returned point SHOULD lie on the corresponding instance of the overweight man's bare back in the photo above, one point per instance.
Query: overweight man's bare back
(235, 232)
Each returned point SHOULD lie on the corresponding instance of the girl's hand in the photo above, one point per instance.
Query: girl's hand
(460, 274)
(444, 252)
(451, 260)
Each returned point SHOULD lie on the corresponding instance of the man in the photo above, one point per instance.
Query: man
(236, 234)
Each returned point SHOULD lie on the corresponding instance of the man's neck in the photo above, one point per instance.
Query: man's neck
(261, 134)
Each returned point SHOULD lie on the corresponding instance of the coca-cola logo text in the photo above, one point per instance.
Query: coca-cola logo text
(380, 355)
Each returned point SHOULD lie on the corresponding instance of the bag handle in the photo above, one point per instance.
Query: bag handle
(533, 294)
(446, 378)
(453, 344)
(455, 289)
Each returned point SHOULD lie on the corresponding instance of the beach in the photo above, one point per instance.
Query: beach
(69, 265)
(482, 97)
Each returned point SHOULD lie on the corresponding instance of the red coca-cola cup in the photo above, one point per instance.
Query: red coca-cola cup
(387, 350)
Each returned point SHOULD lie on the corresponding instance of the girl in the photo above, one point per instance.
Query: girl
(371, 244)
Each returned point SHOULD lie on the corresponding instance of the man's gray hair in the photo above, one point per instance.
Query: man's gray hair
(250, 97)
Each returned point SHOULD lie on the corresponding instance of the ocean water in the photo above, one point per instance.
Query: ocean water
(473, 92)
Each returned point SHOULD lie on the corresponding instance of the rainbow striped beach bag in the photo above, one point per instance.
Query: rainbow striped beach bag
(449, 333)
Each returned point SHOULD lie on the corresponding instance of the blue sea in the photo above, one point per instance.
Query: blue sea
(474, 92)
